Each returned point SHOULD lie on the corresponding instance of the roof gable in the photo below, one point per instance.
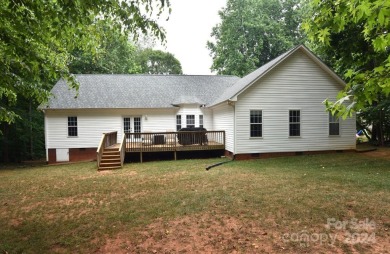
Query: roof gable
(244, 83)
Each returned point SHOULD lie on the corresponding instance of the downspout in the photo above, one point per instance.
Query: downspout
(234, 130)
(232, 104)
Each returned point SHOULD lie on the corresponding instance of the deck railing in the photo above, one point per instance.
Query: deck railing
(108, 139)
(175, 141)
(122, 149)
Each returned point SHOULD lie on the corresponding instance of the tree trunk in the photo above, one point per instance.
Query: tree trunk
(374, 132)
(381, 137)
(5, 130)
(31, 155)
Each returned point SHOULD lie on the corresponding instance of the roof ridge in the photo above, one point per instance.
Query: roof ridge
(153, 75)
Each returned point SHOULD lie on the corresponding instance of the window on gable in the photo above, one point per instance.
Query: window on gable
(334, 125)
(295, 123)
(72, 126)
(178, 122)
(201, 121)
(256, 123)
(190, 121)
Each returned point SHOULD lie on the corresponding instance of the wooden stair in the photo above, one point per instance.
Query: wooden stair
(111, 159)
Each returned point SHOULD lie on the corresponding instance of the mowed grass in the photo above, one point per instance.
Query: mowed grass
(74, 208)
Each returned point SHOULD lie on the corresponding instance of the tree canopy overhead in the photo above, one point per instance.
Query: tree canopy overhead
(253, 32)
(353, 37)
(357, 33)
(37, 38)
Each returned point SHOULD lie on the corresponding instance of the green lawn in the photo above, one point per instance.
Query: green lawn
(178, 206)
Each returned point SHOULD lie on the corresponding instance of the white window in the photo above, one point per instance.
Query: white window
(201, 121)
(72, 126)
(295, 123)
(334, 125)
(190, 121)
(256, 123)
(178, 122)
(127, 124)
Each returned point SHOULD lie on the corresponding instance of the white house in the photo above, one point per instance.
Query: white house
(276, 110)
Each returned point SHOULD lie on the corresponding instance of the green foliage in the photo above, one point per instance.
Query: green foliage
(375, 119)
(158, 62)
(37, 38)
(116, 55)
(24, 139)
(354, 37)
(253, 32)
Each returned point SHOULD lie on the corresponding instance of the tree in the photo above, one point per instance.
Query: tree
(37, 38)
(253, 32)
(354, 37)
(117, 55)
(24, 139)
(158, 62)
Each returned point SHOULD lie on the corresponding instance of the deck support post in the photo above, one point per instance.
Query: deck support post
(140, 156)
(175, 154)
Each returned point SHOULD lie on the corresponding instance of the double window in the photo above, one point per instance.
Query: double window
(294, 123)
(256, 123)
(72, 126)
(189, 121)
(334, 125)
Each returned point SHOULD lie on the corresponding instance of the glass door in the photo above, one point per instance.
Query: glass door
(137, 126)
(132, 124)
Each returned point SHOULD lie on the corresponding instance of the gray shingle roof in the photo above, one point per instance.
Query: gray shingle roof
(161, 91)
(138, 91)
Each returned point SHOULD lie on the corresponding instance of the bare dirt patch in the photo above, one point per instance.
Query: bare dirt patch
(198, 234)
(209, 233)
(382, 152)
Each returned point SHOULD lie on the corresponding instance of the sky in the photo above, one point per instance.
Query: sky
(188, 30)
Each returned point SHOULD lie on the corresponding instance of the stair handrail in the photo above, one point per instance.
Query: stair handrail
(107, 140)
(122, 149)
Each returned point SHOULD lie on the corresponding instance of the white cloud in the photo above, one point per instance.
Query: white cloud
(188, 30)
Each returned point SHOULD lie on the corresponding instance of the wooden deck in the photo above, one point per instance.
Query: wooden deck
(140, 147)
(148, 142)
(175, 141)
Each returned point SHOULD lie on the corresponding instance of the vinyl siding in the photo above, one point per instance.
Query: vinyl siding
(91, 123)
(223, 119)
(90, 127)
(195, 109)
(298, 83)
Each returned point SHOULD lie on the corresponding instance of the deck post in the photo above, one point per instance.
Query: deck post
(175, 154)
(140, 155)
(224, 140)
